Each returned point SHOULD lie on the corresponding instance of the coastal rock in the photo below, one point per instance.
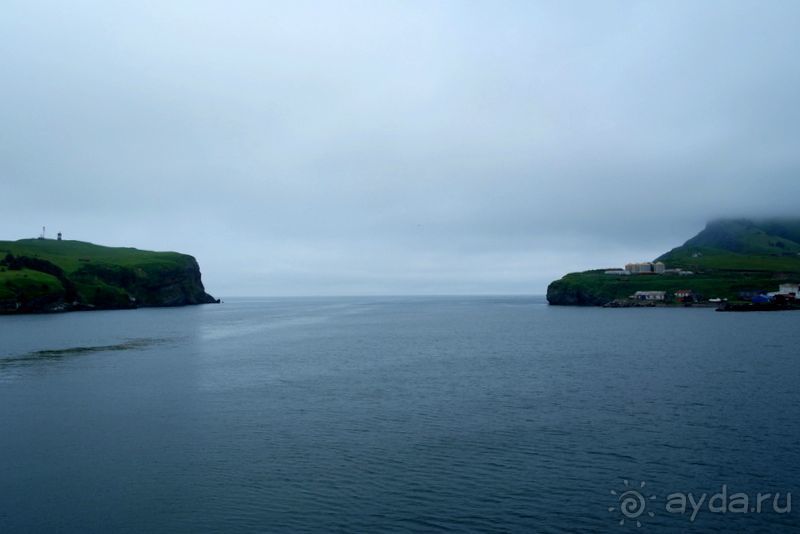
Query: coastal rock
(564, 293)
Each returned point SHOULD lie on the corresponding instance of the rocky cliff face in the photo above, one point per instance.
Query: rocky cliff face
(172, 287)
(174, 284)
(563, 293)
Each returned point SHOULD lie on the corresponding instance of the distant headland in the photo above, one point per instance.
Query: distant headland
(53, 275)
(736, 264)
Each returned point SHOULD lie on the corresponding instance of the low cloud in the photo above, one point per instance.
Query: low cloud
(397, 147)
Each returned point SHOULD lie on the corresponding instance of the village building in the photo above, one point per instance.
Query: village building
(649, 295)
(646, 267)
(679, 272)
(683, 295)
(789, 289)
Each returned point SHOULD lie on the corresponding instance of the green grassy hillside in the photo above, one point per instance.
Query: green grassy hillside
(741, 245)
(742, 236)
(33, 284)
(727, 257)
(49, 275)
(72, 255)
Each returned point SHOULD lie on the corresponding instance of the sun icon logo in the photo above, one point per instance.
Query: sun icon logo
(632, 503)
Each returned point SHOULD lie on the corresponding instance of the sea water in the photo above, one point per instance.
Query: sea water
(485, 414)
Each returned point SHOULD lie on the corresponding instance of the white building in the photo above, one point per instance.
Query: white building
(638, 268)
(788, 289)
(646, 267)
(649, 295)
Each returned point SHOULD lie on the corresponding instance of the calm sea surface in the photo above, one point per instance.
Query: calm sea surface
(396, 415)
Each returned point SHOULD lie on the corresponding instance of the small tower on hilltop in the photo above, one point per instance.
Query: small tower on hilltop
(42, 235)
(59, 236)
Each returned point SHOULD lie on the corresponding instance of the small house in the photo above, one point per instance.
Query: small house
(649, 295)
(788, 289)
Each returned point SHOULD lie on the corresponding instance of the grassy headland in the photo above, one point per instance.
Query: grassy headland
(54, 275)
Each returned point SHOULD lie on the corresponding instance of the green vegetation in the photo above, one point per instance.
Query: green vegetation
(72, 255)
(50, 275)
(769, 246)
(728, 257)
(28, 283)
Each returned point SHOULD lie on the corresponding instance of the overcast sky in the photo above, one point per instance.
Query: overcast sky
(380, 147)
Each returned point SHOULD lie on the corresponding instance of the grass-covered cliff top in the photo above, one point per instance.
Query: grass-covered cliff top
(729, 256)
(72, 255)
(40, 274)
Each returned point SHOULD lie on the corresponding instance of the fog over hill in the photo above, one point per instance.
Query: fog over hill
(396, 147)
